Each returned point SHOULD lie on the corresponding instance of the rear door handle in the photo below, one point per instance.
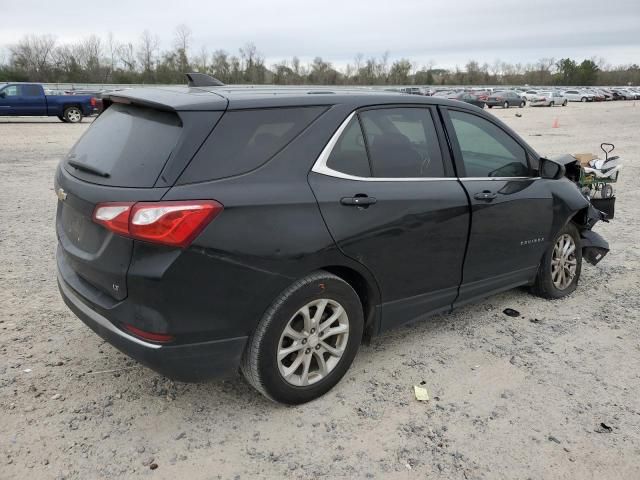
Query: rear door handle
(358, 201)
(485, 195)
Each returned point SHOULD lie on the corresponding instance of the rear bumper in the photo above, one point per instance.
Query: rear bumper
(186, 362)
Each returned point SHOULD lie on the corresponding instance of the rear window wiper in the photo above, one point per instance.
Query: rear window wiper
(87, 168)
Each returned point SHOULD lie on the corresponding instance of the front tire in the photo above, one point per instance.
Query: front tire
(72, 114)
(560, 268)
(505, 105)
(306, 341)
(552, 104)
(62, 119)
(564, 104)
(583, 99)
(522, 104)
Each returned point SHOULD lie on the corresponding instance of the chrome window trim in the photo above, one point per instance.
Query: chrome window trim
(320, 165)
(464, 179)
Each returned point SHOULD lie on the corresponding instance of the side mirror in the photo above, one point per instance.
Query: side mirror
(550, 169)
(2, 94)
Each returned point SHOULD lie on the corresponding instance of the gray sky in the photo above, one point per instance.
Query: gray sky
(447, 33)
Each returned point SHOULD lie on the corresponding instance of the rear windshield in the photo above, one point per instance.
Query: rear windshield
(126, 146)
(245, 140)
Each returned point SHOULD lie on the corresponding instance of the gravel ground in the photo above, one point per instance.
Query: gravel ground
(549, 394)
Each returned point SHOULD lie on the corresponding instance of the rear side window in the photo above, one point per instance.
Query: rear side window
(487, 150)
(246, 139)
(129, 144)
(402, 143)
(349, 155)
(31, 90)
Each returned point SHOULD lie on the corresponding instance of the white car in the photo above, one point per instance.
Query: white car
(547, 99)
(578, 96)
(528, 94)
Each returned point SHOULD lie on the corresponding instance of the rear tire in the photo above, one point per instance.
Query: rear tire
(296, 323)
(552, 104)
(490, 106)
(564, 104)
(583, 99)
(522, 104)
(560, 268)
(72, 114)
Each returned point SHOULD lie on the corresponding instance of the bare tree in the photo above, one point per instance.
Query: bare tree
(34, 54)
(148, 51)
(182, 42)
(182, 37)
(113, 49)
(128, 57)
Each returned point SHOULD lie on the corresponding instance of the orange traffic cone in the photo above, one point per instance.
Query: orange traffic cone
(555, 124)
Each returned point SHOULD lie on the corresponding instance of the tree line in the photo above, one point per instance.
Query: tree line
(41, 58)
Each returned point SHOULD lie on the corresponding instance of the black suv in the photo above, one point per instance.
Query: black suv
(206, 229)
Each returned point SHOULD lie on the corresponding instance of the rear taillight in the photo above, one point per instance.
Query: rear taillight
(169, 223)
(114, 216)
(93, 101)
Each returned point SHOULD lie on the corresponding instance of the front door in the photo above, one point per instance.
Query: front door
(511, 209)
(388, 195)
(31, 100)
(8, 97)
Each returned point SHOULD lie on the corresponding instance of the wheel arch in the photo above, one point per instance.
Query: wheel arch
(72, 104)
(367, 290)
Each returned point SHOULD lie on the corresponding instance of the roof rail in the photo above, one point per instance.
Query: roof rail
(196, 79)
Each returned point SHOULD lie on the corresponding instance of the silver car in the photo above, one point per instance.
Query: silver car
(547, 99)
(578, 95)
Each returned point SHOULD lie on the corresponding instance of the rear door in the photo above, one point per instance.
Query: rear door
(386, 189)
(511, 208)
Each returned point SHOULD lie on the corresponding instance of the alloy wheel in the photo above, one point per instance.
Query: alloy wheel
(74, 115)
(313, 342)
(563, 262)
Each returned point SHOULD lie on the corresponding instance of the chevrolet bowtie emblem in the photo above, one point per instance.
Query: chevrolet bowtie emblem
(61, 194)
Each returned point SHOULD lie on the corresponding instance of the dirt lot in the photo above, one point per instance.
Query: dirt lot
(551, 394)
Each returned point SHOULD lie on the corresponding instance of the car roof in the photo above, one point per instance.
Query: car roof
(181, 98)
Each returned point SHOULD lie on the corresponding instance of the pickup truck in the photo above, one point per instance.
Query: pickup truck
(30, 99)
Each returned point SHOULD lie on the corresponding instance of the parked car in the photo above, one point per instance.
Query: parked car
(578, 96)
(29, 99)
(413, 90)
(547, 99)
(608, 96)
(597, 96)
(467, 98)
(505, 99)
(629, 94)
(527, 95)
(200, 231)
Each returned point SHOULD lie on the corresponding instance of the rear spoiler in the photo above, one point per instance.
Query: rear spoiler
(172, 98)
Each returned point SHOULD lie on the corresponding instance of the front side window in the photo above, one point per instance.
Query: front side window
(11, 91)
(349, 155)
(487, 150)
(402, 143)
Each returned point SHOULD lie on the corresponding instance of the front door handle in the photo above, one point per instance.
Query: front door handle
(485, 195)
(359, 200)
